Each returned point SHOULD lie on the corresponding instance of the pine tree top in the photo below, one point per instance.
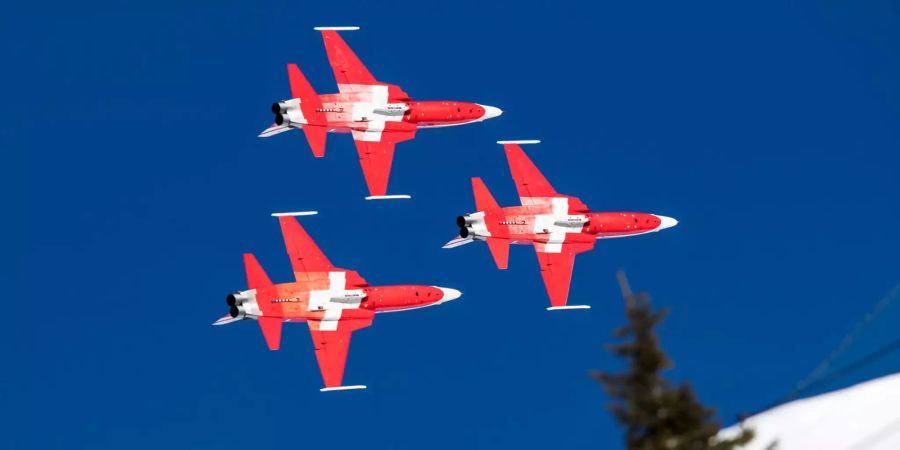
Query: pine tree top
(656, 414)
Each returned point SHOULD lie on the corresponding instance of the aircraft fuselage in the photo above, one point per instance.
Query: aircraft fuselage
(332, 295)
(542, 222)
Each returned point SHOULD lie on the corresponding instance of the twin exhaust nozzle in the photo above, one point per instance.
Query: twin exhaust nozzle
(283, 111)
(235, 300)
(463, 225)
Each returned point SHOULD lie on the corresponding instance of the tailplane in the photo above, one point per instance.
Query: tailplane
(316, 124)
(256, 279)
(304, 110)
(500, 251)
(256, 276)
(271, 330)
(484, 201)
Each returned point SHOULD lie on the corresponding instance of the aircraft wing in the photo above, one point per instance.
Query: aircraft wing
(530, 182)
(331, 339)
(557, 262)
(304, 253)
(577, 206)
(376, 154)
(349, 72)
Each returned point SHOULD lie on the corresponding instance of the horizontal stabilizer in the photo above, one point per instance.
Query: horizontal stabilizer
(526, 141)
(271, 329)
(256, 275)
(342, 388)
(273, 130)
(336, 28)
(294, 214)
(484, 201)
(500, 251)
(388, 197)
(316, 136)
(563, 308)
(458, 241)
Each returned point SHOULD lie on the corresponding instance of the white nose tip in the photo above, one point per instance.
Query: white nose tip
(449, 294)
(490, 112)
(666, 222)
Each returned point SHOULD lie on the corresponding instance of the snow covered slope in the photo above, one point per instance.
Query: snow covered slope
(862, 417)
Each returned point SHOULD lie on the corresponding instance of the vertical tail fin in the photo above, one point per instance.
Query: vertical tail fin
(256, 276)
(484, 201)
(316, 124)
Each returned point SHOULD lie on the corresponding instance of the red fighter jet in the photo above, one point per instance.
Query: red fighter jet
(334, 302)
(559, 226)
(378, 115)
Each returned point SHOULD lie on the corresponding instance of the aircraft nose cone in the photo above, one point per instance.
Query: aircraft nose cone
(449, 294)
(665, 222)
(490, 112)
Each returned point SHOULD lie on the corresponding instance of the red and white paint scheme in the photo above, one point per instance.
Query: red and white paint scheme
(334, 302)
(559, 226)
(378, 115)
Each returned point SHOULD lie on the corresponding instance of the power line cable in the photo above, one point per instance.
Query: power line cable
(820, 375)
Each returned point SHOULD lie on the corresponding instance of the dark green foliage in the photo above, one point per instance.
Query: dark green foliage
(656, 414)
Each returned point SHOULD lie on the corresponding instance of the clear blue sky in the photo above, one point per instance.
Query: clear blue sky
(768, 128)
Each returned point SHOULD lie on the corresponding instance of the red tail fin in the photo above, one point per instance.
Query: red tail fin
(256, 276)
(484, 201)
(311, 106)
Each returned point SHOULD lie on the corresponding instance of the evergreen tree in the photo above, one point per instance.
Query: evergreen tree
(656, 414)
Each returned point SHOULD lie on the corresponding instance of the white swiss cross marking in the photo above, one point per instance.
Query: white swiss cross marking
(322, 300)
(546, 223)
(366, 100)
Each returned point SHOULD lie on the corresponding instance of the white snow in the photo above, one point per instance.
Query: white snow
(862, 417)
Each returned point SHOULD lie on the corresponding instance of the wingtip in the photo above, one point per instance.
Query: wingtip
(342, 388)
(568, 307)
(520, 142)
(389, 197)
(296, 213)
(336, 28)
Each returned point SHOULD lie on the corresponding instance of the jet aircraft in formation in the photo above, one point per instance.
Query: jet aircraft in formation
(559, 226)
(378, 115)
(333, 302)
